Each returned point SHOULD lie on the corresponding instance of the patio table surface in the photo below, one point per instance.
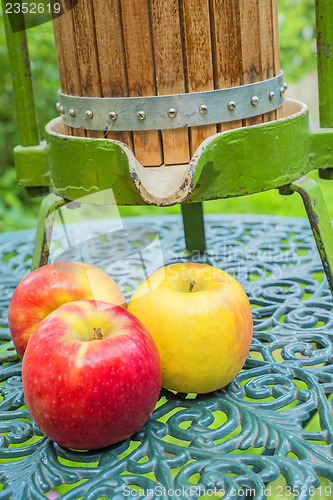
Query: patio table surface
(272, 423)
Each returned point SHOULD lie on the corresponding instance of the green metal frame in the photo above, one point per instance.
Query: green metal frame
(324, 31)
(49, 206)
(229, 164)
(194, 227)
(21, 75)
(320, 223)
(324, 23)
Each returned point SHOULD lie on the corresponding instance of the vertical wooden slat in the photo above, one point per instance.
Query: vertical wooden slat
(86, 47)
(111, 56)
(57, 28)
(140, 73)
(198, 55)
(266, 47)
(169, 72)
(250, 47)
(276, 44)
(68, 64)
(227, 50)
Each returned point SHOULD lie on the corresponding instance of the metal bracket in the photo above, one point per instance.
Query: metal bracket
(32, 166)
(172, 111)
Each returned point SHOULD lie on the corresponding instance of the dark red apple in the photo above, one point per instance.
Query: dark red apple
(91, 375)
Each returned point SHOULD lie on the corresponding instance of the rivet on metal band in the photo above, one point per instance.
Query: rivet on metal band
(231, 105)
(185, 110)
(141, 115)
(113, 115)
(254, 100)
(172, 112)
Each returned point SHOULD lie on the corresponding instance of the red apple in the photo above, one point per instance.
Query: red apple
(50, 286)
(91, 375)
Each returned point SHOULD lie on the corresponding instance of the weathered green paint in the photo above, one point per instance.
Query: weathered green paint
(320, 222)
(235, 163)
(21, 75)
(194, 227)
(32, 165)
(226, 165)
(321, 151)
(253, 159)
(49, 205)
(82, 166)
(321, 148)
(324, 28)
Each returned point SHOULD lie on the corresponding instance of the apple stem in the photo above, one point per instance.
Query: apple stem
(98, 333)
(192, 285)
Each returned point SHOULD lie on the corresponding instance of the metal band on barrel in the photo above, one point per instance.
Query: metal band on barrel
(172, 111)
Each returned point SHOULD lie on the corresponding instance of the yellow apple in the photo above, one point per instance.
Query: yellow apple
(201, 321)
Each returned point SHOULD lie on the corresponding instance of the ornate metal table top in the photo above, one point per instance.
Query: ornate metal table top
(266, 435)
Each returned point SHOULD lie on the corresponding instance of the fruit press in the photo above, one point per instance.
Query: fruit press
(181, 102)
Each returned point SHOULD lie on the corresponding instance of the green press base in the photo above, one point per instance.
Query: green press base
(232, 163)
(273, 155)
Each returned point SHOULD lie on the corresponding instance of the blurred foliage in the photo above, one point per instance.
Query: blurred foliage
(17, 211)
(297, 37)
(297, 22)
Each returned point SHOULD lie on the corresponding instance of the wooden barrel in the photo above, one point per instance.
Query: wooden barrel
(120, 48)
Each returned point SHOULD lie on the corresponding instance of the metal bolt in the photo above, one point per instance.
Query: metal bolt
(89, 114)
(231, 105)
(172, 112)
(61, 110)
(203, 109)
(58, 106)
(141, 115)
(72, 113)
(271, 96)
(282, 90)
(254, 100)
(113, 115)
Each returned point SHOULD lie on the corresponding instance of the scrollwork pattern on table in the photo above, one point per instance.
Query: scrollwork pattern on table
(274, 420)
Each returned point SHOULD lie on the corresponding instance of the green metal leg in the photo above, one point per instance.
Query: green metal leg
(44, 229)
(320, 223)
(194, 227)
